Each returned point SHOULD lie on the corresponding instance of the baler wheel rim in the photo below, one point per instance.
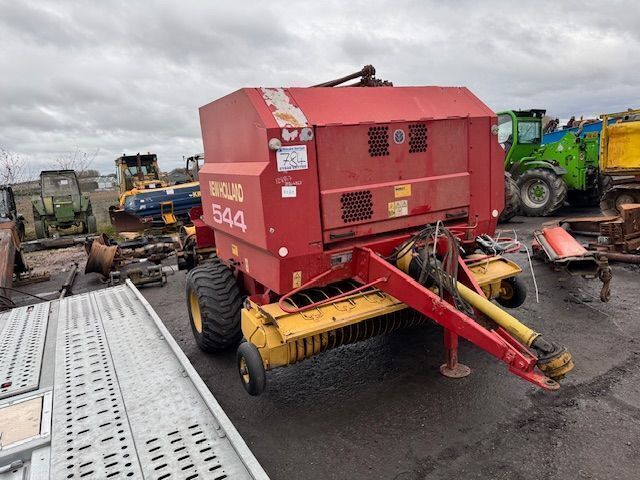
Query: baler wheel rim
(196, 314)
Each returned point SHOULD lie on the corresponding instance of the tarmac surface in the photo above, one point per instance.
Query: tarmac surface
(380, 409)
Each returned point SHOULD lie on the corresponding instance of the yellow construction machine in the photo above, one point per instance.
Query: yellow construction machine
(620, 159)
(146, 199)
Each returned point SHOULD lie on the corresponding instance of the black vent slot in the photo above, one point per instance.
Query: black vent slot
(378, 141)
(356, 206)
(417, 137)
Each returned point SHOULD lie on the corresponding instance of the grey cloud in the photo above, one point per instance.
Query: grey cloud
(129, 76)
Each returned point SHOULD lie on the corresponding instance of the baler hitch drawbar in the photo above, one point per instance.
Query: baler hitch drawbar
(423, 273)
(509, 342)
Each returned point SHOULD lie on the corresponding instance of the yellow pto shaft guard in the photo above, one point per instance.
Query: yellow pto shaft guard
(554, 361)
(523, 333)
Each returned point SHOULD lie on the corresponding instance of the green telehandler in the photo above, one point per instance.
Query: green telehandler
(548, 175)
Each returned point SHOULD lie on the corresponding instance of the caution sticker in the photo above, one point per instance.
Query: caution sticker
(400, 191)
(297, 279)
(234, 249)
(399, 208)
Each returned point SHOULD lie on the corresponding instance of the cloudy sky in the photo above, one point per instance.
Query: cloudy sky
(126, 76)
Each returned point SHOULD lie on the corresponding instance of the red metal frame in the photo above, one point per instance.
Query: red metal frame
(500, 344)
(205, 235)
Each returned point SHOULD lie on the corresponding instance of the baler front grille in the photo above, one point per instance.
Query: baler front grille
(417, 137)
(356, 206)
(378, 141)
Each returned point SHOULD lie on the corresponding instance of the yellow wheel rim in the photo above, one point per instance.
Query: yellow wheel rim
(196, 315)
(506, 291)
(244, 371)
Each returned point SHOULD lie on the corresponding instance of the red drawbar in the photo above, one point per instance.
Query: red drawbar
(562, 243)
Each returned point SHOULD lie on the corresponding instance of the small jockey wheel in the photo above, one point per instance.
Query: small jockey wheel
(251, 369)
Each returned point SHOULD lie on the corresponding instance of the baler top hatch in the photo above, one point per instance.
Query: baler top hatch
(356, 105)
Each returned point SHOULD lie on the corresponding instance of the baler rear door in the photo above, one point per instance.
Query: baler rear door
(377, 178)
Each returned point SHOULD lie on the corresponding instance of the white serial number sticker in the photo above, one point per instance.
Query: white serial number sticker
(293, 157)
(289, 191)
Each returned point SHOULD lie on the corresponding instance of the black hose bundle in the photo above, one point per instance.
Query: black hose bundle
(434, 269)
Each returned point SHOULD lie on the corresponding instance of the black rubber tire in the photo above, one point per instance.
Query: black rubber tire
(92, 226)
(556, 197)
(615, 196)
(517, 293)
(512, 201)
(41, 229)
(251, 369)
(220, 301)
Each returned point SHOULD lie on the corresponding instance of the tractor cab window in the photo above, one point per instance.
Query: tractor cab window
(59, 185)
(528, 132)
(505, 130)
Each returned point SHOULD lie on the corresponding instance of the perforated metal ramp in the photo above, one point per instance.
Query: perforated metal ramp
(22, 334)
(126, 402)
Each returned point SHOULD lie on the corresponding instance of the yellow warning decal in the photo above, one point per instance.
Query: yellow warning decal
(234, 249)
(297, 279)
(400, 191)
(399, 208)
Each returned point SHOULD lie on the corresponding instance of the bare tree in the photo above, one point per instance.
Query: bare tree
(12, 168)
(77, 160)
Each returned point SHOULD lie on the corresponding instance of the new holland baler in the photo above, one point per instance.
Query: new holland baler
(337, 214)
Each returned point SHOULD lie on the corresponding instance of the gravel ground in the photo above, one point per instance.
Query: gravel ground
(381, 409)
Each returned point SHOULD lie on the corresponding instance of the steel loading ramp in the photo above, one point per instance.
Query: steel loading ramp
(94, 386)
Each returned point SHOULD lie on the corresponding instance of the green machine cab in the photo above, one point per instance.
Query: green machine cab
(548, 175)
(61, 204)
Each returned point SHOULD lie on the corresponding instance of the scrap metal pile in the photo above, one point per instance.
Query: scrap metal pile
(139, 259)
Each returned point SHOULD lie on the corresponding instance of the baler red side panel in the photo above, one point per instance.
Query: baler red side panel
(278, 238)
(486, 168)
(266, 218)
(232, 201)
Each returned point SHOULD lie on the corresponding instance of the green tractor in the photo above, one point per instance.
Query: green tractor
(548, 175)
(61, 204)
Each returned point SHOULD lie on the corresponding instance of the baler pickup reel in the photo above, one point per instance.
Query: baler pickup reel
(397, 286)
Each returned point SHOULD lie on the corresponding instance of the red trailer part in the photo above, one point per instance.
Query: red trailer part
(558, 247)
(340, 213)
